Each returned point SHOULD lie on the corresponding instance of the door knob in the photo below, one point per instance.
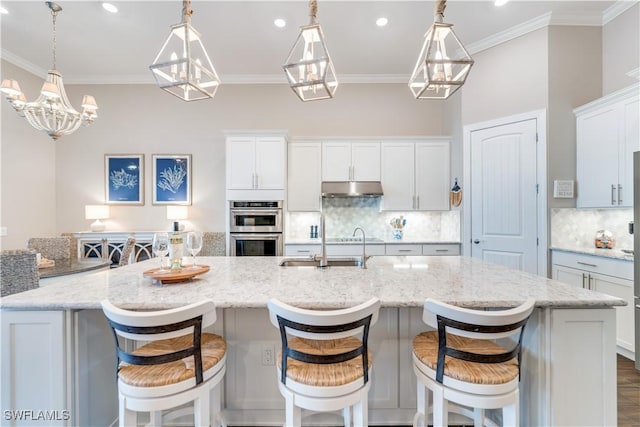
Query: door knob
(476, 241)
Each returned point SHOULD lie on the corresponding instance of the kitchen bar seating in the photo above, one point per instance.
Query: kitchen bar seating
(460, 363)
(176, 364)
(324, 363)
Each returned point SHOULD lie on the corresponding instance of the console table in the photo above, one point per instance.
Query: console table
(109, 244)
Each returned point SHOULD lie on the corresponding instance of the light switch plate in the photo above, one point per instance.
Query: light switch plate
(563, 189)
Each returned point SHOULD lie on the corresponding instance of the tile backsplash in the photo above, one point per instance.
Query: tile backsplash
(578, 227)
(343, 215)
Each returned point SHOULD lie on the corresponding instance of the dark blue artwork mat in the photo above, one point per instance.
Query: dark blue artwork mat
(123, 175)
(171, 179)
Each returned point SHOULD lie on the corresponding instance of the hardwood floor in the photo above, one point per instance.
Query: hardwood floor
(628, 393)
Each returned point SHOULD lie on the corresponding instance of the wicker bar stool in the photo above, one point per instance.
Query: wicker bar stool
(127, 250)
(177, 364)
(325, 363)
(463, 366)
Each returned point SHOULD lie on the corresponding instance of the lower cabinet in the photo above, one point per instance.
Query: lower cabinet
(608, 276)
(375, 249)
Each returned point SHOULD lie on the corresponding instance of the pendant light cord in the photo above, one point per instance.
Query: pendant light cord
(313, 11)
(186, 11)
(54, 14)
(439, 12)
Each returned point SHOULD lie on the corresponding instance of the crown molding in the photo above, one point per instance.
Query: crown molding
(531, 25)
(617, 9)
(20, 62)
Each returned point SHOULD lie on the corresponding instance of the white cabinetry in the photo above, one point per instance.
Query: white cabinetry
(415, 175)
(609, 276)
(305, 176)
(351, 161)
(607, 135)
(256, 163)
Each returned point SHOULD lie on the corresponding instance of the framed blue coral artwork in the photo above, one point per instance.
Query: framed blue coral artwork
(124, 176)
(171, 179)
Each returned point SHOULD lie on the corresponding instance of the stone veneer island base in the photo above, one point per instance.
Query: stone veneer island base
(58, 357)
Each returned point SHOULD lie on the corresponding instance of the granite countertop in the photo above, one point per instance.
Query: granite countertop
(249, 282)
(65, 267)
(615, 253)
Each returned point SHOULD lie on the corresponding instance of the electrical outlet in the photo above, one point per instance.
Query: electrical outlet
(3, 231)
(268, 355)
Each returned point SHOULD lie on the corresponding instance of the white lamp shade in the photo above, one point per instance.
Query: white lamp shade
(177, 212)
(96, 212)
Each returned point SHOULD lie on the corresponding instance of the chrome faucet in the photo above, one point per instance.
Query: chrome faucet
(363, 261)
(323, 256)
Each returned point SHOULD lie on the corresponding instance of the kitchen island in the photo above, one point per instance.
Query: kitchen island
(568, 377)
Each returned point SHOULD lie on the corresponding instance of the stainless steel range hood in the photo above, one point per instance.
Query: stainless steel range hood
(351, 189)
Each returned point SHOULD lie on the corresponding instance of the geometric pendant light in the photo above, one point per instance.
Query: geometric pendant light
(308, 67)
(443, 64)
(51, 112)
(183, 67)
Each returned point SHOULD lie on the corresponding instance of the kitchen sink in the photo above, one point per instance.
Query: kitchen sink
(331, 262)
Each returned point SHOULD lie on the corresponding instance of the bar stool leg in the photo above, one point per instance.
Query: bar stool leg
(126, 417)
(215, 406)
(440, 408)
(478, 417)
(346, 415)
(155, 418)
(361, 412)
(510, 415)
(201, 409)
(293, 414)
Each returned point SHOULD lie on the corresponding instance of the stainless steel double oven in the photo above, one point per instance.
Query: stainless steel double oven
(256, 228)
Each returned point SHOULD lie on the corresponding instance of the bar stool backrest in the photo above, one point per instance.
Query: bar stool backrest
(324, 325)
(477, 324)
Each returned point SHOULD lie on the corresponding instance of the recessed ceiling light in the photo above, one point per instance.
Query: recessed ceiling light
(280, 23)
(3, 10)
(500, 2)
(381, 22)
(109, 7)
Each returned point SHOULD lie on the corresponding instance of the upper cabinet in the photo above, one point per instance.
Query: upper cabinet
(415, 175)
(305, 176)
(607, 135)
(350, 161)
(256, 163)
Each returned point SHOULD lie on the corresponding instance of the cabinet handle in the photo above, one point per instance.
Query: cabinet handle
(417, 202)
(590, 282)
(613, 194)
(619, 194)
(300, 251)
(442, 250)
(586, 263)
(413, 201)
(404, 250)
(584, 285)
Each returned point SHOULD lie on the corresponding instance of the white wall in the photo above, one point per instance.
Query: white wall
(575, 78)
(144, 119)
(508, 79)
(27, 170)
(620, 50)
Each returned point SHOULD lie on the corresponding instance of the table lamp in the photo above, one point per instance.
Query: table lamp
(176, 213)
(96, 212)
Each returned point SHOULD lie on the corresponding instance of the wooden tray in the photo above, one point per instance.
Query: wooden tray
(175, 276)
(46, 263)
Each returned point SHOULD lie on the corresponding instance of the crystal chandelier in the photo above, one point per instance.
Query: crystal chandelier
(183, 67)
(51, 112)
(443, 64)
(309, 68)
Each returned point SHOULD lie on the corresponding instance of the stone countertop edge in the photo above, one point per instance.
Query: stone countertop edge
(249, 282)
(605, 253)
(376, 242)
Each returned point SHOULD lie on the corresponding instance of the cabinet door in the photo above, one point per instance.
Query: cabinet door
(622, 289)
(305, 175)
(432, 176)
(270, 163)
(630, 142)
(597, 158)
(365, 161)
(397, 175)
(240, 163)
(570, 276)
(336, 161)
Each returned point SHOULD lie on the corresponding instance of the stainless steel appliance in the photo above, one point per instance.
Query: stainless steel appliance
(256, 228)
(636, 250)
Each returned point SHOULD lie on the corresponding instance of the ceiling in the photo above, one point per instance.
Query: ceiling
(95, 46)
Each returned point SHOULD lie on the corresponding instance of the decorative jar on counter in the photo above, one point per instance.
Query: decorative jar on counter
(604, 239)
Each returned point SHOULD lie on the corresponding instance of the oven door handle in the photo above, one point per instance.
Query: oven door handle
(256, 236)
(255, 211)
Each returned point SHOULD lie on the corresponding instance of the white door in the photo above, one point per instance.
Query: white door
(336, 161)
(398, 176)
(240, 163)
(305, 175)
(270, 163)
(504, 195)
